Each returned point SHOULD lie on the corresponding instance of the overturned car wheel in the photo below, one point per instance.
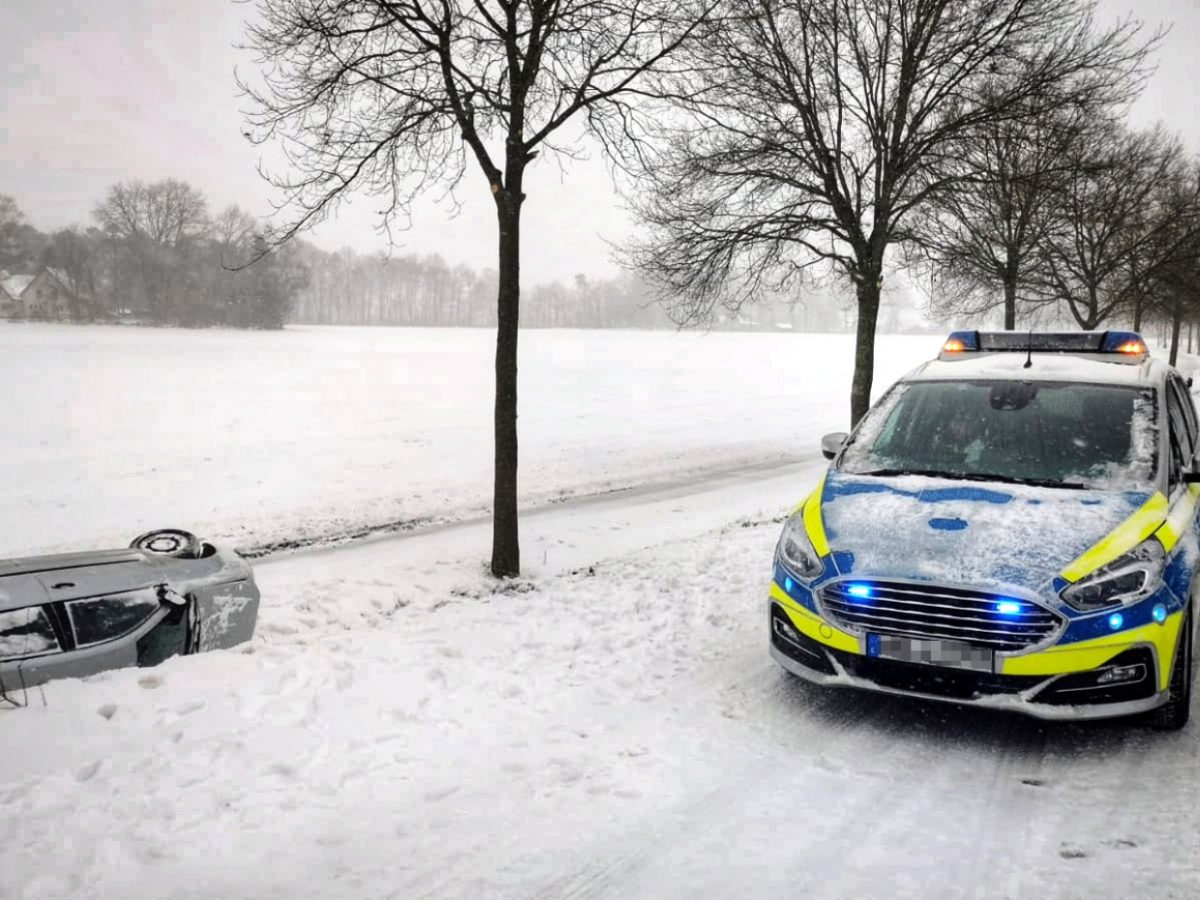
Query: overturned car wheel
(172, 542)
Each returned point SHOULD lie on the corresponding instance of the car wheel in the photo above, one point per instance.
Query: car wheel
(173, 542)
(1173, 714)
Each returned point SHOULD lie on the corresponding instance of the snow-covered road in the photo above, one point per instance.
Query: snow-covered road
(608, 726)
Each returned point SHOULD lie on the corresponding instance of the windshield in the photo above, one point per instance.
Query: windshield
(1067, 435)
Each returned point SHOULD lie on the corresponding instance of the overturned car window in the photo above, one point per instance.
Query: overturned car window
(104, 618)
(26, 632)
(1069, 435)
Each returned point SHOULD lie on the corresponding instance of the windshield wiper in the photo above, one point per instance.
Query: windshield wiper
(1034, 482)
(976, 476)
(930, 473)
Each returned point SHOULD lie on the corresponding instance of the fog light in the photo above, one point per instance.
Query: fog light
(1115, 621)
(1159, 613)
(1121, 674)
(786, 631)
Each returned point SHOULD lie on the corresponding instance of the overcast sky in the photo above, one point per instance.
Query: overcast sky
(95, 91)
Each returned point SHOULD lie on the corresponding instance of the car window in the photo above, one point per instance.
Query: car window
(1175, 464)
(1081, 435)
(1181, 440)
(26, 632)
(1188, 408)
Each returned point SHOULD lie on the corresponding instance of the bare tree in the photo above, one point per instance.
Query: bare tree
(11, 220)
(978, 242)
(1106, 234)
(393, 97)
(815, 129)
(155, 223)
(1166, 273)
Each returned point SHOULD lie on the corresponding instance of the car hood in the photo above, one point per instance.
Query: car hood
(963, 532)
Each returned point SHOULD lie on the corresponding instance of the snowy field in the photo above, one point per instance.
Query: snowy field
(608, 726)
(259, 439)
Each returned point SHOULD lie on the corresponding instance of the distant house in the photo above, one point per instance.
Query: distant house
(11, 289)
(47, 294)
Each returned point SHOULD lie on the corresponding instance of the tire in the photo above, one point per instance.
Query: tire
(1173, 714)
(172, 542)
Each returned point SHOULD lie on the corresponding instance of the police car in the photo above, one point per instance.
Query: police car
(1012, 525)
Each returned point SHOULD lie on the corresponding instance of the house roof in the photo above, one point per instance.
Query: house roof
(14, 285)
(60, 275)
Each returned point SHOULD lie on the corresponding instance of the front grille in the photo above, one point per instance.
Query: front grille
(1002, 623)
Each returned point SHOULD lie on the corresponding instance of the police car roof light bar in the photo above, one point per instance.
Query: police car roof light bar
(1123, 346)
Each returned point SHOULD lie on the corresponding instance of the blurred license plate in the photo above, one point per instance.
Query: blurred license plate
(955, 654)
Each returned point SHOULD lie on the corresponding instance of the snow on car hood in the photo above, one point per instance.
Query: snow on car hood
(969, 533)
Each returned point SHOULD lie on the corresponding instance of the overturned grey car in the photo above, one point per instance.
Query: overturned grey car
(75, 614)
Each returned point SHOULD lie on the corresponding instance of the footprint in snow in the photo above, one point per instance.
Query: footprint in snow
(1071, 851)
(85, 773)
(108, 710)
(1120, 843)
(150, 682)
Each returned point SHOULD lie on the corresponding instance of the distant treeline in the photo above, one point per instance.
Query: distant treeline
(346, 288)
(155, 254)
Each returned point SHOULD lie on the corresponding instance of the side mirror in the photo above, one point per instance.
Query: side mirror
(832, 444)
(1189, 381)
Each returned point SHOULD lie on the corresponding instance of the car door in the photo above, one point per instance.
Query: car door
(1183, 498)
(1182, 423)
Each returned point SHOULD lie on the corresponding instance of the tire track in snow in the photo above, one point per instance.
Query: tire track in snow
(635, 493)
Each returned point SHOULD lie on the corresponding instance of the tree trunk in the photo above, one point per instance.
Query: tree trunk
(864, 348)
(1176, 321)
(1010, 303)
(506, 552)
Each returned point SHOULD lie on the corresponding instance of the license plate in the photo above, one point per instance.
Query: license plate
(953, 654)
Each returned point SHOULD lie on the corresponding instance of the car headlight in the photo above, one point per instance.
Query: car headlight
(796, 550)
(1125, 580)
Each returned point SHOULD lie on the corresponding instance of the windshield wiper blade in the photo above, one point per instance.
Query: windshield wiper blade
(1032, 482)
(976, 476)
(929, 473)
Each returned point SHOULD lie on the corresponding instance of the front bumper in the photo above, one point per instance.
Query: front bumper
(824, 656)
